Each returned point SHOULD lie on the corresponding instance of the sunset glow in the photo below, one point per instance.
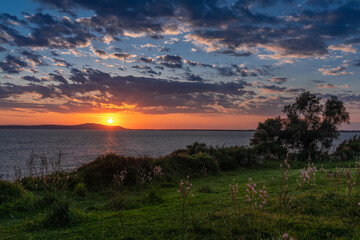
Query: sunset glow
(173, 62)
(110, 121)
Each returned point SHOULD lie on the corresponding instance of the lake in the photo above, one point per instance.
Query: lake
(82, 146)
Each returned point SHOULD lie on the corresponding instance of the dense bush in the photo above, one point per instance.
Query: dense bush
(10, 191)
(101, 171)
(80, 189)
(59, 214)
(349, 148)
(182, 164)
(232, 157)
(271, 150)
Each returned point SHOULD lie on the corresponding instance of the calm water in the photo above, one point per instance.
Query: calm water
(82, 146)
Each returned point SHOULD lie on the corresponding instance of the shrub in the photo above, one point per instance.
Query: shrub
(271, 149)
(59, 214)
(10, 191)
(80, 189)
(182, 164)
(348, 149)
(153, 197)
(101, 171)
(224, 158)
(196, 148)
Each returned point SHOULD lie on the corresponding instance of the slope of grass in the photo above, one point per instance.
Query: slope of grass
(323, 211)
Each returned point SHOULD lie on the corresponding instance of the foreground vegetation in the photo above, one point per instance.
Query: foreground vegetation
(108, 199)
(285, 186)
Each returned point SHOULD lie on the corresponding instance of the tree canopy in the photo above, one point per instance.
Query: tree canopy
(308, 126)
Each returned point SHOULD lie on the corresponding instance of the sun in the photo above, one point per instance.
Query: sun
(110, 121)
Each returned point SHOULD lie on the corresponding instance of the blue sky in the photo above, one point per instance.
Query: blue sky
(233, 59)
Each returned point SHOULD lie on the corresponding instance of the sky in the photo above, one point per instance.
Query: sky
(174, 64)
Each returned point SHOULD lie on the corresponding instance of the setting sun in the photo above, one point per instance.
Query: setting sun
(110, 121)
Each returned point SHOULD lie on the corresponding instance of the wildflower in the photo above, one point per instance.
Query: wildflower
(256, 198)
(183, 194)
(157, 171)
(307, 175)
(204, 171)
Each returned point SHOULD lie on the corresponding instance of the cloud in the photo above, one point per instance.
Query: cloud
(357, 63)
(13, 65)
(195, 64)
(123, 56)
(100, 53)
(146, 59)
(243, 71)
(193, 77)
(341, 70)
(146, 70)
(94, 90)
(62, 63)
(33, 79)
(278, 80)
(170, 61)
(331, 86)
(49, 32)
(342, 48)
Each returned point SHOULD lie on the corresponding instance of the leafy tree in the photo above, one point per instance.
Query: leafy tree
(309, 126)
(267, 138)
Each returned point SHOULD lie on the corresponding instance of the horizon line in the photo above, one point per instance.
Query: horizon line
(106, 127)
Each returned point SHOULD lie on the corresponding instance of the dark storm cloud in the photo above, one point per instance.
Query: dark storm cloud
(13, 64)
(2, 49)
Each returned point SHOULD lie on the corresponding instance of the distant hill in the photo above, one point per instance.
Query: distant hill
(89, 126)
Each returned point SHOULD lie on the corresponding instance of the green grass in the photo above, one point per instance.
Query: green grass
(323, 211)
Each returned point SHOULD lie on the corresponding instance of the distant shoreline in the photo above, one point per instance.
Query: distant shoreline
(94, 126)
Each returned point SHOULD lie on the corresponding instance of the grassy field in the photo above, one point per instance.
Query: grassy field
(324, 210)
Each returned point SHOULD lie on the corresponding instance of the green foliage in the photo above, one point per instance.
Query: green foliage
(320, 212)
(59, 214)
(10, 191)
(196, 148)
(348, 149)
(101, 171)
(153, 197)
(205, 189)
(309, 127)
(183, 164)
(80, 189)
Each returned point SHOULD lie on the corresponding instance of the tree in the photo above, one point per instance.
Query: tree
(267, 138)
(309, 125)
